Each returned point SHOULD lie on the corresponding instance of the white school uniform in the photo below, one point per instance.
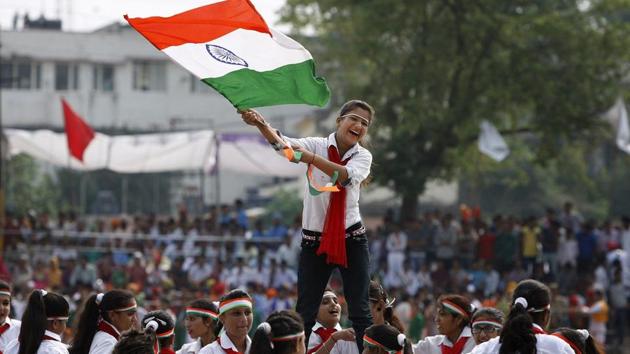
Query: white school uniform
(358, 168)
(433, 344)
(103, 342)
(10, 334)
(545, 344)
(216, 348)
(341, 347)
(191, 348)
(48, 346)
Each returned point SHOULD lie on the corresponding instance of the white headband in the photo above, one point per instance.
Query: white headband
(6, 293)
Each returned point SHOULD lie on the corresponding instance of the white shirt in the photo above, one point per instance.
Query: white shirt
(191, 348)
(215, 347)
(12, 333)
(358, 167)
(433, 344)
(314, 339)
(103, 343)
(545, 344)
(47, 346)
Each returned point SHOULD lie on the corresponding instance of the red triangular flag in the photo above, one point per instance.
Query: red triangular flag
(78, 132)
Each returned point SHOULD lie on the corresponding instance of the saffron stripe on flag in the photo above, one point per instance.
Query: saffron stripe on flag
(200, 25)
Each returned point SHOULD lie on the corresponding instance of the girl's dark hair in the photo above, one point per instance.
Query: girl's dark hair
(463, 303)
(159, 322)
(134, 342)
(390, 337)
(208, 305)
(489, 312)
(517, 334)
(92, 312)
(576, 340)
(40, 307)
(278, 324)
(377, 294)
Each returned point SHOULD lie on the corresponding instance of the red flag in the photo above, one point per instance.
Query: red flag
(78, 132)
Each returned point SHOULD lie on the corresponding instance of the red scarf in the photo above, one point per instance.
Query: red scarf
(107, 328)
(5, 327)
(167, 351)
(227, 350)
(47, 337)
(324, 333)
(538, 330)
(333, 241)
(457, 348)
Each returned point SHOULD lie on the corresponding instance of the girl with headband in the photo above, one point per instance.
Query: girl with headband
(328, 336)
(103, 318)
(333, 235)
(523, 331)
(282, 333)
(580, 340)
(235, 313)
(381, 307)
(9, 328)
(162, 327)
(202, 324)
(43, 323)
(453, 318)
(385, 339)
(486, 324)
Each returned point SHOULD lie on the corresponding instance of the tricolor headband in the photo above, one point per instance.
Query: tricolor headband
(454, 308)
(126, 308)
(488, 323)
(5, 293)
(195, 311)
(165, 334)
(228, 305)
(373, 342)
(288, 337)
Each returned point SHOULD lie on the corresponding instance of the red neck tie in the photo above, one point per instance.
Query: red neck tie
(538, 330)
(107, 328)
(457, 348)
(324, 333)
(5, 327)
(333, 241)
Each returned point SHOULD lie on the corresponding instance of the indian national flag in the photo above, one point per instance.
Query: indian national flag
(229, 46)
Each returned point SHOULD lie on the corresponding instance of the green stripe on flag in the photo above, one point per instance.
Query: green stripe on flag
(289, 84)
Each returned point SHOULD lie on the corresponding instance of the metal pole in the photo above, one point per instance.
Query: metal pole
(123, 207)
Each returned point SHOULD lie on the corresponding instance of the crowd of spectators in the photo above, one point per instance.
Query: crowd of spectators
(167, 261)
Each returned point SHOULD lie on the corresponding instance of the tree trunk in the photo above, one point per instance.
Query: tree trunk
(409, 207)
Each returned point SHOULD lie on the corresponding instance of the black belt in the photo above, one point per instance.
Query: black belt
(356, 230)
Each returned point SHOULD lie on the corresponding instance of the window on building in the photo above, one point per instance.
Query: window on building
(103, 77)
(149, 76)
(198, 86)
(22, 75)
(66, 76)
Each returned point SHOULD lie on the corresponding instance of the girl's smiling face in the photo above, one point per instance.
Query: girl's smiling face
(352, 126)
(329, 312)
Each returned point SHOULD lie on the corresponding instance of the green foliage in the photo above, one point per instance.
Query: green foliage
(30, 188)
(286, 203)
(434, 69)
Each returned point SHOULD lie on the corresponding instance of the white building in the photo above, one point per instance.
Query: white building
(115, 79)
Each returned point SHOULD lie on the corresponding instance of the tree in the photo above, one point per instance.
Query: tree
(434, 69)
(28, 188)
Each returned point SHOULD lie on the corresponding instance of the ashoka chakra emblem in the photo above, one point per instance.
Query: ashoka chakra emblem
(225, 55)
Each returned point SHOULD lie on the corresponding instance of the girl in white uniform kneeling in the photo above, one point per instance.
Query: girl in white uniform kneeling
(452, 319)
(523, 331)
(43, 323)
(202, 324)
(9, 328)
(103, 318)
(282, 333)
(161, 325)
(235, 313)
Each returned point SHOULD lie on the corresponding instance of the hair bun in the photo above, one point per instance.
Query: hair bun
(401, 338)
(99, 298)
(43, 292)
(521, 301)
(151, 326)
(583, 334)
(266, 327)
